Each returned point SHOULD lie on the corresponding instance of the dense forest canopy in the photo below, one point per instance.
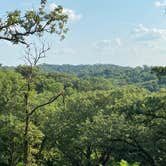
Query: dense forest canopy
(145, 76)
(96, 123)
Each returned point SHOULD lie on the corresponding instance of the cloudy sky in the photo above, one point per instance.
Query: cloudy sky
(121, 32)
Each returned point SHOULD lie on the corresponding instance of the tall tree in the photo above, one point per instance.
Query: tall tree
(33, 55)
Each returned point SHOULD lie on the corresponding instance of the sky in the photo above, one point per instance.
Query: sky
(120, 32)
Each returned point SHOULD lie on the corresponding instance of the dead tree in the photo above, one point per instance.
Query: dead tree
(32, 56)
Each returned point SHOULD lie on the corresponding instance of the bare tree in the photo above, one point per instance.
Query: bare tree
(32, 56)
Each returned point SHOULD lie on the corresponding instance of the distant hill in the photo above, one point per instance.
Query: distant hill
(141, 76)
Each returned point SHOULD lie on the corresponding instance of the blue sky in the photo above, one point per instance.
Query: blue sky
(121, 32)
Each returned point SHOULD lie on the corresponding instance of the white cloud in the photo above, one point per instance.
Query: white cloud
(141, 28)
(146, 45)
(118, 41)
(144, 33)
(52, 6)
(66, 51)
(73, 16)
(108, 44)
(102, 44)
(160, 4)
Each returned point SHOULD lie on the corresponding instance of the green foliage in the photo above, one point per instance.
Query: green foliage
(160, 71)
(18, 26)
(141, 76)
(125, 163)
(97, 124)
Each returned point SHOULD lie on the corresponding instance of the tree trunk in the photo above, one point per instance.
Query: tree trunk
(88, 156)
(26, 143)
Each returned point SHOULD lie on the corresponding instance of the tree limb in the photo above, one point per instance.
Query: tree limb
(51, 100)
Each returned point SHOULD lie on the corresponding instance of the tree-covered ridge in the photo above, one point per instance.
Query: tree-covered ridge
(96, 123)
(141, 76)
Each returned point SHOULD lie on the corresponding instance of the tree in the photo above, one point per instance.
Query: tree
(91, 129)
(116, 126)
(10, 117)
(17, 26)
(33, 55)
(159, 71)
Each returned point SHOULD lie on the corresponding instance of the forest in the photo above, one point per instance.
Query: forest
(76, 115)
(95, 122)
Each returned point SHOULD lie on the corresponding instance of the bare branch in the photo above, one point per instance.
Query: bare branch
(51, 100)
(33, 54)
